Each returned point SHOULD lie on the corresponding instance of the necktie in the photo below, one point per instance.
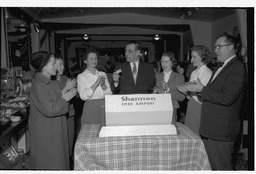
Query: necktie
(134, 72)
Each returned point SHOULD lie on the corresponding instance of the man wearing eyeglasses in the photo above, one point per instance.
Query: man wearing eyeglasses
(221, 104)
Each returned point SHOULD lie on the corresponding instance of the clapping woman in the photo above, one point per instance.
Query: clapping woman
(92, 84)
(200, 57)
(47, 119)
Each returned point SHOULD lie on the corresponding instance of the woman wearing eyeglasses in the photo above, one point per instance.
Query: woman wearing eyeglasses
(200, 57)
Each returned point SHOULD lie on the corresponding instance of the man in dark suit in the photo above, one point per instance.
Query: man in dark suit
(133, 76)
(221, 104)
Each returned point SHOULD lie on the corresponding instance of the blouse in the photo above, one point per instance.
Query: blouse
(86, 79)
(204, 74)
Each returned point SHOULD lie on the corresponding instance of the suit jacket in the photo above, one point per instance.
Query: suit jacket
(222, 101)
(145, 79)
(175, 79)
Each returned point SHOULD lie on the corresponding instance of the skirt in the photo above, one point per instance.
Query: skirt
(193, 115)
(93, 112)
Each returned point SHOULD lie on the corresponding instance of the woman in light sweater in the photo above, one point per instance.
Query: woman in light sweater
(92, 85)
(200, 57)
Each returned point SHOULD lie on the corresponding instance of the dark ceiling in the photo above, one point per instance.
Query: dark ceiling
(45, 15)
(200, 14)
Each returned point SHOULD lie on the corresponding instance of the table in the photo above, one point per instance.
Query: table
(13, 129)
(184, 151)
(15, 132)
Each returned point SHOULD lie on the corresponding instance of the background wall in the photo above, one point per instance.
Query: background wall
(223, 25)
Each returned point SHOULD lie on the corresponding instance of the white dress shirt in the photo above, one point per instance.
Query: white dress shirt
(85, 80)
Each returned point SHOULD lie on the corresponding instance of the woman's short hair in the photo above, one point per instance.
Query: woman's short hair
(88, 51)
(172, 58)
(203, 52)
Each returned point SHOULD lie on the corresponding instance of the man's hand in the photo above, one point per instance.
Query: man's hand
(116, 76)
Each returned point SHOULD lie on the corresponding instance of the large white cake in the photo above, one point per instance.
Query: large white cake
(139, 114)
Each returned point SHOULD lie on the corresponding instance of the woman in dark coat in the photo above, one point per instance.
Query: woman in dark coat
(48, 136)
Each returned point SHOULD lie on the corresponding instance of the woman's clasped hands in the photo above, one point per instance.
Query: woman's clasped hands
(101, 81)
(68, 95)
(71, 83)
(69, 91)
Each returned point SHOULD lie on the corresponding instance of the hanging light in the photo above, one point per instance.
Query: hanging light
(156, 37)
(86, 37)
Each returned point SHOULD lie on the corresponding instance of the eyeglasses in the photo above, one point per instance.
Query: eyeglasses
(218, 47)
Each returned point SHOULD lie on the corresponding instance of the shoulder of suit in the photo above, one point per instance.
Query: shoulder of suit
(121, 65)
(236, 62)
(146, 64)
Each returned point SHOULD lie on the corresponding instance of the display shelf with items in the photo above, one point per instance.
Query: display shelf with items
(10, 109)
(13, 131)
(7, 83)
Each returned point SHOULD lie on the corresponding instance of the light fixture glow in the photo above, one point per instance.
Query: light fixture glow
(86, 37)
(156, 37)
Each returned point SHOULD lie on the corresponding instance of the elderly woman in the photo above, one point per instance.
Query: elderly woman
(47, 119)
(200, 57)
(92, 85)
(167, 81)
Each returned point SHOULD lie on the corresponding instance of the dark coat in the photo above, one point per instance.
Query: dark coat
(145, 79)
(48, 136)
(222, 101)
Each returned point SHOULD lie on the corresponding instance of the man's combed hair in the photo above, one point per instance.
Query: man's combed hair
(137, 45)
(229, 39)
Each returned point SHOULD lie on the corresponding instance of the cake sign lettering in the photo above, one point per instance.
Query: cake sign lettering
(129, 101)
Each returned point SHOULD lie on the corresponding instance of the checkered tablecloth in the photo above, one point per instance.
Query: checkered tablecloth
(184, 151)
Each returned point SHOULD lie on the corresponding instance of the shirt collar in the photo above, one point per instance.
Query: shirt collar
(137, 63)
(201, 68)
(41, 77)
(228, 60)
(96, 72)
(169, 72)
